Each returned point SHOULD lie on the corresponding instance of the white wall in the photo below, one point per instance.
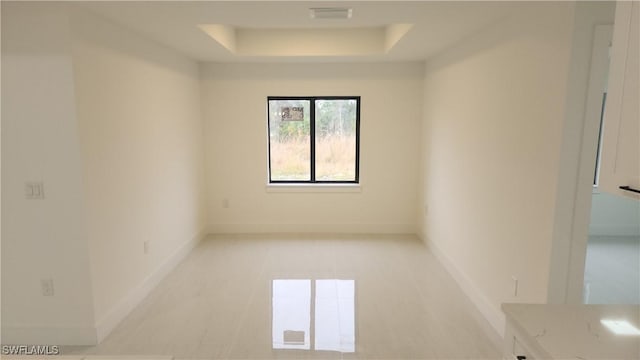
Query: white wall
(234, 100)
(143, 160)
(493, 119)
(42, 238)
(111, 124)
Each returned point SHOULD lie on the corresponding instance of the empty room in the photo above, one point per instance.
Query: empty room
(320, 180)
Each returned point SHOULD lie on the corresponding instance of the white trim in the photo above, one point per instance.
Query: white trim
(108, 322)
(575, 188)
(493, 315)
(312, 228)
(313, 188)
(597, 84)
(39, 335)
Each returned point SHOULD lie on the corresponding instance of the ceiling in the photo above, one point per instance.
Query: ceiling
(436, 25)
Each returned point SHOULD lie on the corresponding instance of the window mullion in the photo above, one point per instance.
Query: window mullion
(312, 135)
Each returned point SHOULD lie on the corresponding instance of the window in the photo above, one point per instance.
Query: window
(314, 139)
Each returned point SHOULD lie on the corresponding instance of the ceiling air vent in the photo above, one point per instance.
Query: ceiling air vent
(331, 13)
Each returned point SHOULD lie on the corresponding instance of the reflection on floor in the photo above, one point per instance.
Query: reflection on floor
(333, 315)
(311, 297)
(612, 270)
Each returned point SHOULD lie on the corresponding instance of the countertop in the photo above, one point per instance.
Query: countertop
(575, 331)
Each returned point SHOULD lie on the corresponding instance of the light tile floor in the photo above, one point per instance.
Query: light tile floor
(219, 303)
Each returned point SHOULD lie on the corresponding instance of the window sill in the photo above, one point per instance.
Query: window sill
(314, 188)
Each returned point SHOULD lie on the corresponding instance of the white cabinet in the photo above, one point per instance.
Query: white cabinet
(515, 345)
(620, 157)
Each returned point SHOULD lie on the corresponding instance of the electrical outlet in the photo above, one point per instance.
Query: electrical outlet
(146, 247)
(225, 203)
(47, 287)
(34, 190)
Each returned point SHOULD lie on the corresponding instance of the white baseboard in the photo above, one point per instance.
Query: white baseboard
(312, 228)
(614, 230)
(105, 325)
(47, 335)
(493, 315)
